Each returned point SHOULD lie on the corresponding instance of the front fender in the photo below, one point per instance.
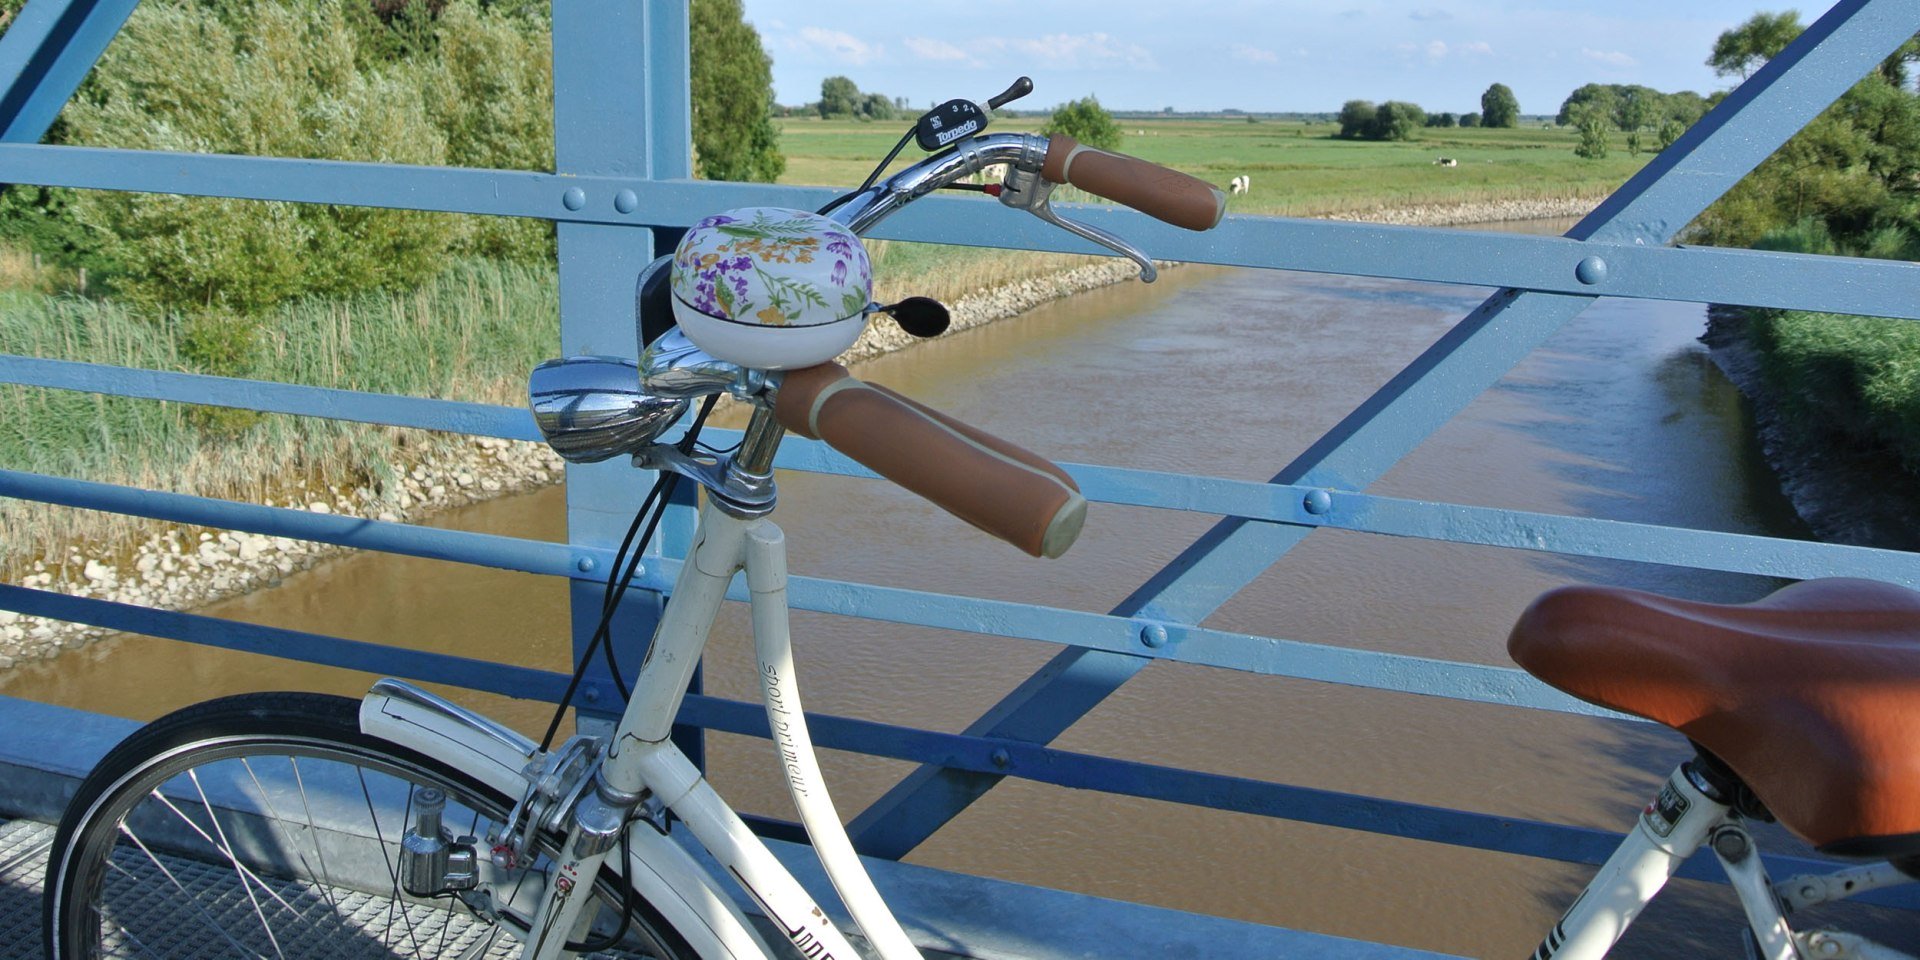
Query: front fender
(662, 873)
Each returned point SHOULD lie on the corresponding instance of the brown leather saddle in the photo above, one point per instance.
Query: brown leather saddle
(1810, 695)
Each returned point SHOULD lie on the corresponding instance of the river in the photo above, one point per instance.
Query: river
(1231, 372)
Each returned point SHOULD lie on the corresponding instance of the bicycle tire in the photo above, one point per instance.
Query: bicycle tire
(199, 808)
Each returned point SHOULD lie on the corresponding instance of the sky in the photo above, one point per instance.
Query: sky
(1272, 56)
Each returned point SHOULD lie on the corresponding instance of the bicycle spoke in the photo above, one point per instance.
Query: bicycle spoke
(185, 894)
(312, 830)
(393, 870)
(319, 852)
(233, 859)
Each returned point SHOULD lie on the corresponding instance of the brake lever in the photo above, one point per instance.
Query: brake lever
(1028, 190)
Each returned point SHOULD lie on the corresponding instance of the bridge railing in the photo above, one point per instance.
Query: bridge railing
(624, 174)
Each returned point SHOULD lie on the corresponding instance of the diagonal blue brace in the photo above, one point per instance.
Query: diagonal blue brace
(1652, 208)
(47, 50)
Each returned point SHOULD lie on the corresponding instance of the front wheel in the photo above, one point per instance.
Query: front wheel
(268, 825)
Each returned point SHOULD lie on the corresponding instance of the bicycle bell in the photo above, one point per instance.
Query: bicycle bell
(771, 288)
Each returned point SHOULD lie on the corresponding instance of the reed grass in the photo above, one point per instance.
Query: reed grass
(1855, 376)
(471, 333)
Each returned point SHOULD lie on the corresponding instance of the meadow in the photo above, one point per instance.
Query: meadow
(1298, 169)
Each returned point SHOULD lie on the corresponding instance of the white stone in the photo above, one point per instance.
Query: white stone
(250, 548)
(146, 563)
(99, 572)
(319, 507)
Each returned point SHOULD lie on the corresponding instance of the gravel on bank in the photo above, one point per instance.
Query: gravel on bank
(185, 568)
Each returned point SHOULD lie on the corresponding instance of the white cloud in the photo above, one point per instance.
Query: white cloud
(1253, 54)
(1430, 13)
(1436, 49)
(1477, 47)
(927, 48)
(1612, 58)
(835, 45)
(1084, 51)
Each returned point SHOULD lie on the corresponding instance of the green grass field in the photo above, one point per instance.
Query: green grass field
(1297, 169)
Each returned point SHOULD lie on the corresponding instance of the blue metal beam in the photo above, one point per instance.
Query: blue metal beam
(620, 73)
(477, 419)
(45, 53)
(1849, 40)
(432, 543)
(1546, 264)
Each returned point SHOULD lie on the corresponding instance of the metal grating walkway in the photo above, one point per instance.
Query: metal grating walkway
(24, 845)
(23, 869)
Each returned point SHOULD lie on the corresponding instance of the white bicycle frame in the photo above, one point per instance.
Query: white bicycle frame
(641, 757)
(1680, 820)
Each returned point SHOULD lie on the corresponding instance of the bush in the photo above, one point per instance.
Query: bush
(316, 79)
(1594, 125)
(1397, 120)
(1356, 118)
(1086, 121)
(285, 84)
(489, 89)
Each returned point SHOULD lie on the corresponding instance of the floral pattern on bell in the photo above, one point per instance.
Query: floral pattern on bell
(772, 266)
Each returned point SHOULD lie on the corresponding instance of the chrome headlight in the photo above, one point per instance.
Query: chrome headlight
(592, 408)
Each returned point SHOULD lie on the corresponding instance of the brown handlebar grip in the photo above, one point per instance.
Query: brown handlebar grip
(1150, 188)
(1011, 493)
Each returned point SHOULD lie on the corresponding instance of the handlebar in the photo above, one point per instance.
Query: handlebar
(1150, 188)
(1009, 492)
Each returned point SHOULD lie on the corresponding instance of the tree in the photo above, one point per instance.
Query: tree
(1744, 48)
(1670, 130)
(839, 97)
(733, 133)
(1356, 118)
(1397, 120)
(1499, 107)
(876, 106)
(1593, 124)
(1684, 107)
(1635, 106)
(1086, 121)
(1469, 119)
(1442, 120)
(1600, 95)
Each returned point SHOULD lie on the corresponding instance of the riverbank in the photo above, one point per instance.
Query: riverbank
(181, 568)
(1837, 480)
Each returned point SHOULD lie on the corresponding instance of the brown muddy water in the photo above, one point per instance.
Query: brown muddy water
(1226, 372)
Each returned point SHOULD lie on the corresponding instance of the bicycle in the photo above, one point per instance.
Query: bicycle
(406, 824)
